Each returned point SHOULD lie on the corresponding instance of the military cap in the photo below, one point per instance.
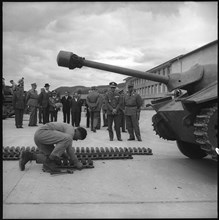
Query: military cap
(47, 84)
(33, 84)
(54, 92)
(113, 84)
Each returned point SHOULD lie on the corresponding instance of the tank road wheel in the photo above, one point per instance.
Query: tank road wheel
(191, 150)
(161, 128)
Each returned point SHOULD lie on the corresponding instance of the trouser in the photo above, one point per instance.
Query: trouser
(94, 119)
(132, 125)
(52, 142)
(45, 115)
(53, 115)
(105, 122)
(117, 121)
(98, 122)
(40, 115)
(122, 125)
(33, 115)
(66, 116)
(19, 113)
(75, 119)
(88, 118)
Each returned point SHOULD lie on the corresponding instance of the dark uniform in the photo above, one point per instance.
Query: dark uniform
(113, 101)
(18, 101)
(133, 102)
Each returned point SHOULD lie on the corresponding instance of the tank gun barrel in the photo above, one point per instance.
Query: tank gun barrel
(172, 81)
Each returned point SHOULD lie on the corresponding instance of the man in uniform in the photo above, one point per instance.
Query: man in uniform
(104, 110)
(18, 101)
(93, 100)
(113, 101)
(133, 102)
(122, 107)
(54, 140)
(32, 103)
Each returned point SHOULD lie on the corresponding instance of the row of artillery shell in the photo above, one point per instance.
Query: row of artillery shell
(13, 153)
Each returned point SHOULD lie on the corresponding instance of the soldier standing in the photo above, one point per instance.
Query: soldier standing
(133, 102)
(93, 100)
(104, 110)
(32, 103)
(122, 107)
(18, 101)
(113, 102)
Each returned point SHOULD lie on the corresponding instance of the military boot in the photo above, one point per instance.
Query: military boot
(25, 157)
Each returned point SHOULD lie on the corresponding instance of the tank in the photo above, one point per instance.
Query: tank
(7, 107)
(189, 118)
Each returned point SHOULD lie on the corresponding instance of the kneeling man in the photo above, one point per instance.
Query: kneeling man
(54, 140)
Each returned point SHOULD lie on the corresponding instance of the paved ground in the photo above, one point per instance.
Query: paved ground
(163, 185)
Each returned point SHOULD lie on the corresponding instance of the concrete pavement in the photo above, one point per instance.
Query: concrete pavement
(163, 185)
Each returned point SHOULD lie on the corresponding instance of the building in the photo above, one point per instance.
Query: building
(150, 90)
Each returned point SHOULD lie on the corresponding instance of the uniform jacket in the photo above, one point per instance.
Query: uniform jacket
(113, 100)
(93, 100)
(133, 103)
(44, 98)
(32, 98)
(18, 99)
(104, 107)
(76, 105)
(66, 102)
(57, 126)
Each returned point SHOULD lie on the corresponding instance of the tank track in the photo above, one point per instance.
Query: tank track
(13, 153)
(206, 130)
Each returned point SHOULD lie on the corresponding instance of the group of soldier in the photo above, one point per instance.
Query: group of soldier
(44, 103)
(118, 108)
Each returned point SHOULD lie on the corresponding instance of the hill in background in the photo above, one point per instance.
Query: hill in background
(84, 90)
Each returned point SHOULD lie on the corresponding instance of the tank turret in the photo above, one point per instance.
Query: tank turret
(189, 118)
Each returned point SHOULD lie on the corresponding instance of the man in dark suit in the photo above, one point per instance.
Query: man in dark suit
(66, 106)
(76, 104)
(44, 102)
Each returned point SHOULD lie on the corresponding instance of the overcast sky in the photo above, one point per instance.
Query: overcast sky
(137, 35)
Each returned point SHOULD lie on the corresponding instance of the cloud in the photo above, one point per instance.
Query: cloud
(136, 35)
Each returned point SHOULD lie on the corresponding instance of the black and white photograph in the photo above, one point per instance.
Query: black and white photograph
(110, 110)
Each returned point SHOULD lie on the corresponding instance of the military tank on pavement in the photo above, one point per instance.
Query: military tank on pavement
(190, 119)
